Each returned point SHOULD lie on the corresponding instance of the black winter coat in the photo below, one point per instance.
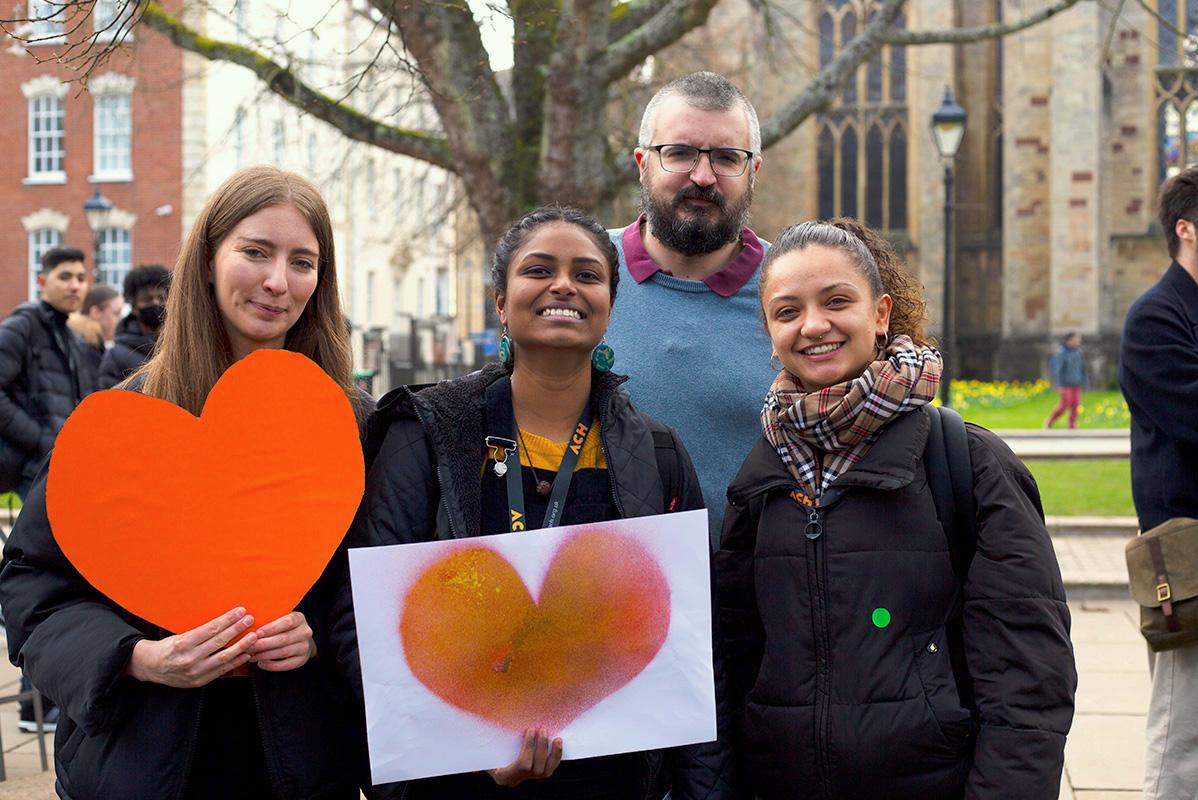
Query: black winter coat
(424, 485)
(45, 372)
(130, 349)
(121, 738)
(836, 700)
(1158, 373)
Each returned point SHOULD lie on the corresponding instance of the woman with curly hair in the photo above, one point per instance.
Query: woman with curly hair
(864, 659)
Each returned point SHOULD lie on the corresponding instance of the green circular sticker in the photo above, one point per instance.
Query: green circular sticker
(881, 617)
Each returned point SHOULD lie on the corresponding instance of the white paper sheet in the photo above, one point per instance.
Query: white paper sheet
(422, 590)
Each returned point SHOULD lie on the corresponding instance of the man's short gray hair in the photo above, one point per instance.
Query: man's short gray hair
(707, 91)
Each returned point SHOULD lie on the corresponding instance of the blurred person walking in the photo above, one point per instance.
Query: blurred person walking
(1070, 376)
(1158, 373)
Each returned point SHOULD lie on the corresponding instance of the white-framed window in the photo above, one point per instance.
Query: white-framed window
(46, 149)
(111, 18)
(112, 138)
(116, 256)
(40, 240)
(442, 289)
(46, 21)
(371, 190)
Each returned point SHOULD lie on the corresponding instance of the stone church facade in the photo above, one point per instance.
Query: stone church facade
(1072, 126)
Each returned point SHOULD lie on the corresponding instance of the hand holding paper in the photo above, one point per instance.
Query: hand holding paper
(538, 759)
(599, 634)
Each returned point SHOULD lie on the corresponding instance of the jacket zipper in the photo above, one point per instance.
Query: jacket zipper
(191, 748)
(605, 413)
(814, 530)
(274, 779)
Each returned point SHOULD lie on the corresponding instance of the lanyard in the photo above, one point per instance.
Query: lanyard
(500, 418)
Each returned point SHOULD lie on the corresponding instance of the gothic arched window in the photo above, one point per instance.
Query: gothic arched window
(1176, 85)
(861, 142)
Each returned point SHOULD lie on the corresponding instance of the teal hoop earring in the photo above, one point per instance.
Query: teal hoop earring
(506, 348)
(603, 357)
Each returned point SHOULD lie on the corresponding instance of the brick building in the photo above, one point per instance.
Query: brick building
(119, 135)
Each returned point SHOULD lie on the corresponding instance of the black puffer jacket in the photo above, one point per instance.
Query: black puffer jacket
(121, 738)
(44, 373)
(838, 701)
(130, 349)
(424, 485)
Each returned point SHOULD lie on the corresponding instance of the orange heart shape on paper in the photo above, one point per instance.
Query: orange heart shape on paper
(473, 635)
(242, 506)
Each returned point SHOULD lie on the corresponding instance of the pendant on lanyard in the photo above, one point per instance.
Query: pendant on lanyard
(499, 407)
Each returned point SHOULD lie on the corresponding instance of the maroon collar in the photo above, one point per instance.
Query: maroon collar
(727, 282)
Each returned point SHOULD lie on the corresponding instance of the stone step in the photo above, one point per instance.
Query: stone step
(1064, 433)
(1122, 527)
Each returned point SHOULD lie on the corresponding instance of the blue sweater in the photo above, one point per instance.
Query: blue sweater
(698, 362)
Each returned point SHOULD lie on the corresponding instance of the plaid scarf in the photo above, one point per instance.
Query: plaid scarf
(820, 435)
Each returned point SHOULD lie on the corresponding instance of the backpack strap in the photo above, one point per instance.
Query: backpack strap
(950, 476)
(667, 468)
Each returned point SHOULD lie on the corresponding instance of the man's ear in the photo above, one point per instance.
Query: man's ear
(641, 155)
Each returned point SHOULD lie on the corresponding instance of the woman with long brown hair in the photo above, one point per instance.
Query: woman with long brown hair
(236, 707)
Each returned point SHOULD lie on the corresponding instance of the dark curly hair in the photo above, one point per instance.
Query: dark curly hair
(515, 237)
(143, 276)
(872, 256)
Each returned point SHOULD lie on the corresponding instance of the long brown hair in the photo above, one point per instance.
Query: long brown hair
(193, 349)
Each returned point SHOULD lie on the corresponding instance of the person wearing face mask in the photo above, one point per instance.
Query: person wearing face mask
(145, 291)
(865, 656)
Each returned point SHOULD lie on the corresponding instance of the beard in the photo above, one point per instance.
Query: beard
(695, 233)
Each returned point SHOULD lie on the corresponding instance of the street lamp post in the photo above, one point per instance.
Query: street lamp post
(97, 209)
(948, 129)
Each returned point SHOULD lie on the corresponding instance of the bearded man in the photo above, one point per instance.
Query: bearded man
(689, 331)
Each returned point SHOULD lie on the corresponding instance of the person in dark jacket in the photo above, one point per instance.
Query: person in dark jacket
(236, 708)
(44, 369)
(1071, 378)
(433, 478)
(1158, 373)
(145, 291)
(859, 666)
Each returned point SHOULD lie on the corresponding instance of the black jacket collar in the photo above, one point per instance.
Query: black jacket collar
(1178, 280)
(452, 414)
(51, 315)
(129, 332)
(889, 464)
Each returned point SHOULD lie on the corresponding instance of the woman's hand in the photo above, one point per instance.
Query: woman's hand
(537, 760)
(196, 657)
(283, 644)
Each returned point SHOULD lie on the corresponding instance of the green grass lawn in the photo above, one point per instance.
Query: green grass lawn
(1084, 487)
(1099, 409)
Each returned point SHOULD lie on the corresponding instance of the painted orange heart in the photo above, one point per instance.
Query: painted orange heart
(179, 519)
(473, 634)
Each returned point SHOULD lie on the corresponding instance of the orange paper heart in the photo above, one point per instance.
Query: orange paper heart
(179, 519)
(473, 635)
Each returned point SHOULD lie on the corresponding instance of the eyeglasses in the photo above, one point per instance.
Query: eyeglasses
(727, 162)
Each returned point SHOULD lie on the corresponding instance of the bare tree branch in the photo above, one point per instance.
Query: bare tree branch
(978, 32)
(673, 21)
(627, 17)
(283, 82)
(822, 90)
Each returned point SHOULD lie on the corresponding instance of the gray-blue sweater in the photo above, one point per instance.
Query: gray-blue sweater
(698, 362)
